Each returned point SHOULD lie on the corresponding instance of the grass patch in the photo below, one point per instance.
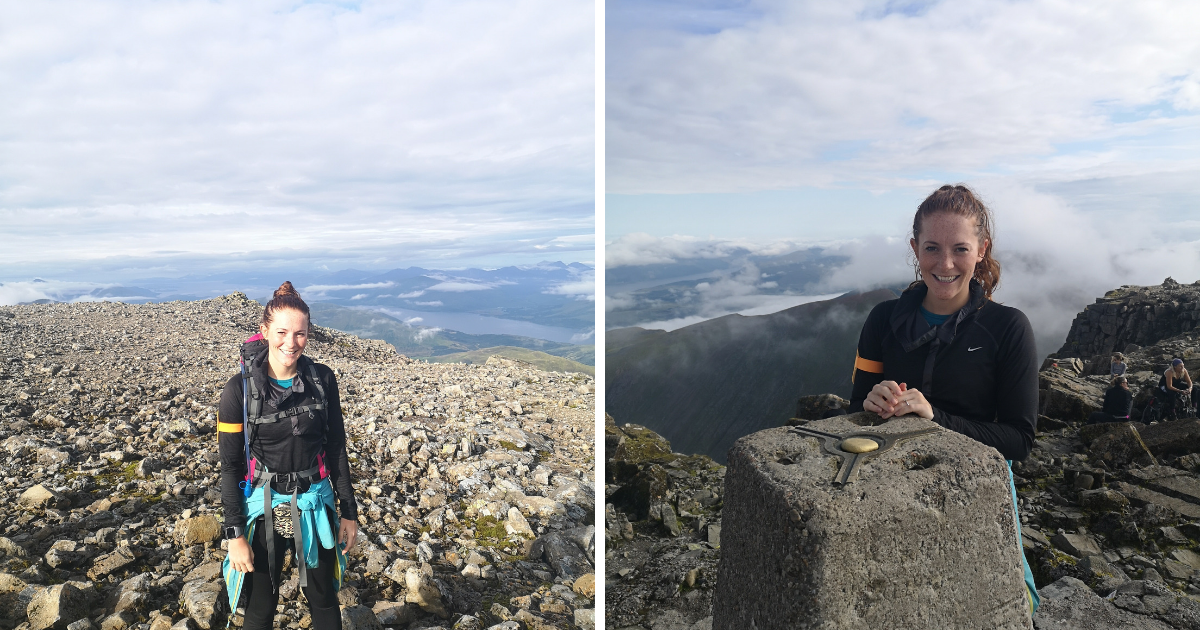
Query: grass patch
(510, 446)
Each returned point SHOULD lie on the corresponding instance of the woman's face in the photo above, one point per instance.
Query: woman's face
(947, 254)
(286, 337)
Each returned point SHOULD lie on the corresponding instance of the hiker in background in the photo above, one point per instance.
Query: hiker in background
(1117, 367)
(1118, 401)
(944, 350)
(1175, 384)
(297, 473)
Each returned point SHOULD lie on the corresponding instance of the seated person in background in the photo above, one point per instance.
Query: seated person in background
(1118, 400)
(1117, 367)
(1174, 383)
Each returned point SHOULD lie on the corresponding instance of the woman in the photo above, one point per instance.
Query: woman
(944, 350)
(1117, 366)
(1118, 401)
(1175, 384)
(290, 425)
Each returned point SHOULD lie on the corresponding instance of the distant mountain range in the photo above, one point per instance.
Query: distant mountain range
(552, 299)
(424, 342)
(705, 385)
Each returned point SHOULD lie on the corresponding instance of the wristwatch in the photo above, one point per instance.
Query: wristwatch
(232, 531)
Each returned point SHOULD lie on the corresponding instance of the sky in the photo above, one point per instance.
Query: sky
(152, 139)
(774, 125)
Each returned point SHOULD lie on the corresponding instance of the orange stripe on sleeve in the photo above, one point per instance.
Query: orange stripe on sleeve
(228, 427)
(867, 365)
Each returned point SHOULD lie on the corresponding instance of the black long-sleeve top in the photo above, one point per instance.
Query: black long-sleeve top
(282, 447)
(979, 369)
(1118, 401)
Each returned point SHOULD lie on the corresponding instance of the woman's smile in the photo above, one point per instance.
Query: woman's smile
(947, 253)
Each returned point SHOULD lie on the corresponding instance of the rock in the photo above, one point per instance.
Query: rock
(394, 613)
(585, 618)
(108, 563)
(423, 592)
(1066, 396)
(1103, 577)
(1069, 604)
(903, 524)
(11, 613)
(67, 554)
(198, 600)
(398, 570)
(1078, 545)
(39, 497)
(360, 618)
(57, 607)
(1121, 446)
(516, 525)
(1103, 500)
(815, 407)
(198, 529)
(562, 553)
(585, 585)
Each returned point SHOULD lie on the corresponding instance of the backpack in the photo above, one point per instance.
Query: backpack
(252, 416)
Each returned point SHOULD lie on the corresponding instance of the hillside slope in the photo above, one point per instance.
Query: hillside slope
(703, 386)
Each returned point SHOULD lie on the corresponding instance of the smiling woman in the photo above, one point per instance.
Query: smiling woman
(284, 469)
(944, 351)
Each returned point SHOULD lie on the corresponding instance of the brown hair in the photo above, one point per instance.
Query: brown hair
(962, 201)
(1117, 380)
(285, 297)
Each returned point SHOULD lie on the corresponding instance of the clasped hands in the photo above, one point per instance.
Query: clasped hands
(890, 398)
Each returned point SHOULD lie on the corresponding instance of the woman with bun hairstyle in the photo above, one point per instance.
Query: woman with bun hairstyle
(944, 350)
(285, 477)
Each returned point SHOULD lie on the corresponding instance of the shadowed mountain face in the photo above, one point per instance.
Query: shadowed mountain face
(705, 385)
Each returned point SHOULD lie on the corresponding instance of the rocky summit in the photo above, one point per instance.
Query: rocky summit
(474, 482)
(1110, 513)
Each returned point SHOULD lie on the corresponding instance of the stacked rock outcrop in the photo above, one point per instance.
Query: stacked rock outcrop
(1133, 315)
(474, 482)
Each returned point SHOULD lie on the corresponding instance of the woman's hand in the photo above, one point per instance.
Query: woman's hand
(348, 534)
(890, 398)
(241, 557)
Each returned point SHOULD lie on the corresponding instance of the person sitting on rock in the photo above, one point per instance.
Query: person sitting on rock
(1117, 367)
(1118, 401)
(944, 350)
(1175, 384)
(291, 425)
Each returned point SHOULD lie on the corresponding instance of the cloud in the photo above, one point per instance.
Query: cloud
(1055, 257)
(325, 288)
(639, 248)
(417, 131)
(433, 303)
(584, 337)
(581, 288)
(414, 320)
(459, 287)
(412, 294)
(426, 333)
(777, 95)
(359, 296)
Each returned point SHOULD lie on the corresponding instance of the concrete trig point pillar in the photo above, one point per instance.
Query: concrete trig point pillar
(922, 535)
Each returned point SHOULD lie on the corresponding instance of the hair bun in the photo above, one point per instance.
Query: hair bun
(285, 289)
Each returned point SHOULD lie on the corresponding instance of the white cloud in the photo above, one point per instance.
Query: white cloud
(158, 130)
(581, 288)
(359, 296)
(325, 288)
(414, 320)
(459, 287)
(426, 333)
(413, 294)
(1055, 258)
(794, 94)
(433, 303)
(639, 248)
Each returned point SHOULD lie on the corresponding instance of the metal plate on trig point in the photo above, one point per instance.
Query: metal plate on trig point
(855, 448)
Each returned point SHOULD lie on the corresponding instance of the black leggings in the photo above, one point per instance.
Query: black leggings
(261, 601)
